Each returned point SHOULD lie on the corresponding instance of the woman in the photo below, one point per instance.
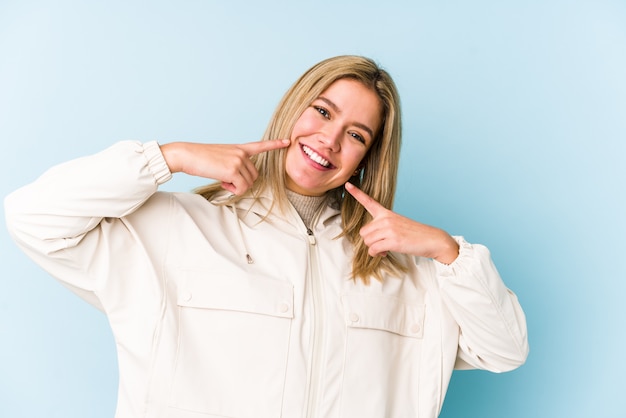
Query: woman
(277, 291)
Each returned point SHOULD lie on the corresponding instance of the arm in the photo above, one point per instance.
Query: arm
(58, 219)
(70, 199)
(492, 325)
(493, 334)
(51, 218)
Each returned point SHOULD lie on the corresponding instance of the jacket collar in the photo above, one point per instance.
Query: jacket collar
(264, 205)
(264, 208)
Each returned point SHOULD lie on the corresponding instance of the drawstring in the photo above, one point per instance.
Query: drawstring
(249, 258)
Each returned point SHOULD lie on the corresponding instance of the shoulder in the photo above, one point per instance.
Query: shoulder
(167, 205)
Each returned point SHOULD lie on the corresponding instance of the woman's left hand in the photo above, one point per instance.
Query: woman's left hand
(389, 231)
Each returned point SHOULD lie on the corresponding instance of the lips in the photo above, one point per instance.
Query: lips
(315, 157)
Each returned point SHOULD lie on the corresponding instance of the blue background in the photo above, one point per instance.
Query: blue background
(515, 133)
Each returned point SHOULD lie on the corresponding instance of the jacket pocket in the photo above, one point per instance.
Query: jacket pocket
(383, 347)
(233, 343)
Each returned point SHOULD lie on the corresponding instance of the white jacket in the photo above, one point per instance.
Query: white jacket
(201, 332)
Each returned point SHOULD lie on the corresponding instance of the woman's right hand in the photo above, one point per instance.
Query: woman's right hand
(227, 163)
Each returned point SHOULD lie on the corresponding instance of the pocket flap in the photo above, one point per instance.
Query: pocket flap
(236, 291)
(386, 313)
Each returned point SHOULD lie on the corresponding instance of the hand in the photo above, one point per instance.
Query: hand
(228, 163)
(389, 231)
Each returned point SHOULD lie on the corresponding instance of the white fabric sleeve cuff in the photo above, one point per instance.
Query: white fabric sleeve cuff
(156, 162)
(466, 254)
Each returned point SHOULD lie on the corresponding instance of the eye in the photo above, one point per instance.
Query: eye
(322, 111)
(357, 137)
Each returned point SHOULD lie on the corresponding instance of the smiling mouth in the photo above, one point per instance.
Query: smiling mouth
(314, 156)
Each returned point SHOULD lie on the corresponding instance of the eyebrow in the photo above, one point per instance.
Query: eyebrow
(331, 104)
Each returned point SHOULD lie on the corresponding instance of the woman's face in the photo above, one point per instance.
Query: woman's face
(331, 137)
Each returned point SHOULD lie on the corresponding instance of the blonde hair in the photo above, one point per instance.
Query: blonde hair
(380, 165)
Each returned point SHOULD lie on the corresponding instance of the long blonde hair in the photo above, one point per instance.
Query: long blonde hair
(380, 165)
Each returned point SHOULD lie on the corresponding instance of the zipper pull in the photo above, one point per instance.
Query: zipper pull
(311, 236)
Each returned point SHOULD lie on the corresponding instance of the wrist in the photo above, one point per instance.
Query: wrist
(172, 155)
(449, 252)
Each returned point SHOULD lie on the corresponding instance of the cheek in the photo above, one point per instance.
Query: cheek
(356, 156)
(292, 149)
(307, 123)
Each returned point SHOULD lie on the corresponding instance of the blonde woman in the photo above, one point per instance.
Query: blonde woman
(289, 288)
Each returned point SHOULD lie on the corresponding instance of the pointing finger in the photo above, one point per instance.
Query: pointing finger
(253, 148)
(371, 205)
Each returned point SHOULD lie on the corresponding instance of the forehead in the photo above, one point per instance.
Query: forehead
(351, 87)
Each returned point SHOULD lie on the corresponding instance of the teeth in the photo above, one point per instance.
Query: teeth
(315, 156)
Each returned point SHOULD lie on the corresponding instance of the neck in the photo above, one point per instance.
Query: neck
(306, 206)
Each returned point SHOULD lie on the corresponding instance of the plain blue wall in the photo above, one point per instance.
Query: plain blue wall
(515, 132)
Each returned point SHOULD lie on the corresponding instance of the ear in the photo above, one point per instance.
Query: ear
(358, 169)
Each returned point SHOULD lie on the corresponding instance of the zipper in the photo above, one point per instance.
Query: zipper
(315, 288)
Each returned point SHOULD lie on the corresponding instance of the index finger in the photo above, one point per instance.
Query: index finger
(370, 205)
(257, 147)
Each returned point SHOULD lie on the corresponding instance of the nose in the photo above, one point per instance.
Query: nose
(330, 138)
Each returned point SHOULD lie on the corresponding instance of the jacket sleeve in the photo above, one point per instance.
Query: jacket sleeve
(51, 218)
(493, 333)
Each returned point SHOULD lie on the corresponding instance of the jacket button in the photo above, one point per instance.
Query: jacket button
(415, 328)
(283, 307)
(354, 317)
